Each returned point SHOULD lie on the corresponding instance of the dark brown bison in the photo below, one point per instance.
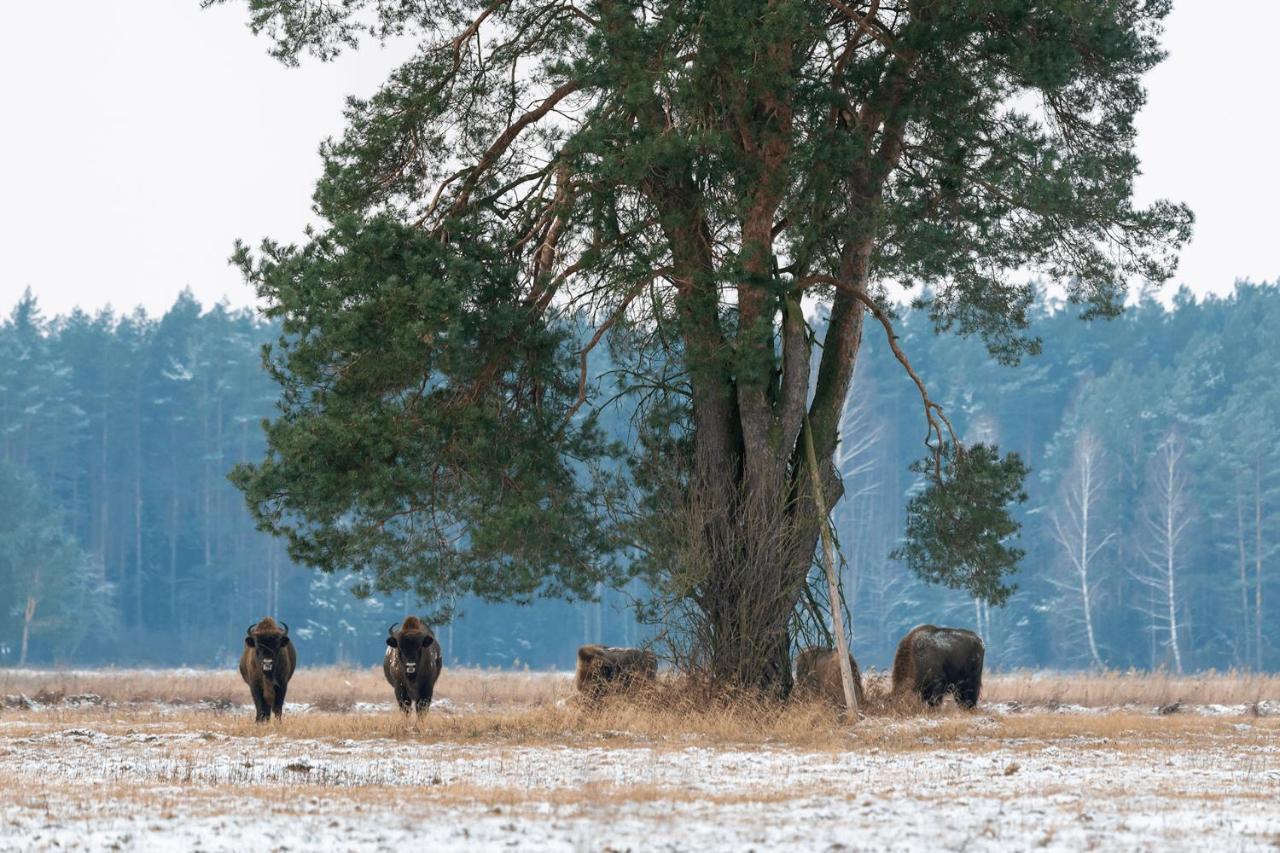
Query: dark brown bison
(932, 662)
(412, 663)
(604, 669)
(267, 664)
(818, 676)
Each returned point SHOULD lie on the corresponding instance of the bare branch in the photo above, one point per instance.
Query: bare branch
(508, 136)
(934, 415)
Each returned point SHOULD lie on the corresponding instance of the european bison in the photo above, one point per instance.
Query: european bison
(606, 669)
(266, 665)
(412, 663)
(932, 662)
(818, 675)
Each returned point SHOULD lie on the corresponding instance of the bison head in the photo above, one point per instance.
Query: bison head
(411, 645)
(266, 646)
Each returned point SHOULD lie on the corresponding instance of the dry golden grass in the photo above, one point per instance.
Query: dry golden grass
(327, 688)
(341, 688)
(541, 709)
(1111, 689)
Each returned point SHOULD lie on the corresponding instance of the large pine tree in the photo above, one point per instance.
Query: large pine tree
(688, 173)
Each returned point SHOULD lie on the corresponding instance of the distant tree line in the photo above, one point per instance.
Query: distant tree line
(1151, 532)
(121, 540)
(1153, 519)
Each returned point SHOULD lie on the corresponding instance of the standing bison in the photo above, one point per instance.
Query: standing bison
(266, 665)
(932, 662)
(607, 669)
(412, 663)
(818, 676)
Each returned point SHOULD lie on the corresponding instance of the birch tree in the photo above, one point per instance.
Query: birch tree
(1165, 521)
(1078, 527)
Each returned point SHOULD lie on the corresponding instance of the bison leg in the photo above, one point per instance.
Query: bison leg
(277, 707)
(424, 697)
(260, 703)
(932, 692)
(402, 698)
(967, 693)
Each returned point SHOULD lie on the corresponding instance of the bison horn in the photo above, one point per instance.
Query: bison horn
(249, 630)
(286, 627)
(392, 630)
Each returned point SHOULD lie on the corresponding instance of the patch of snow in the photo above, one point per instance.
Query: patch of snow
(222, 792)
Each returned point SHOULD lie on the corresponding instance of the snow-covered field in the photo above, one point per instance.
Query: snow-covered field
(103, 777)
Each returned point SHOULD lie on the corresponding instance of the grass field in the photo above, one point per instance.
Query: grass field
(173, 760)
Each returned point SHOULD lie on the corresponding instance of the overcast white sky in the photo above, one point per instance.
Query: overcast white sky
(140, 138)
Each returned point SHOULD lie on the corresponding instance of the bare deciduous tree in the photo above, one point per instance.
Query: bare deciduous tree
(1075, 525)
(1165, 519)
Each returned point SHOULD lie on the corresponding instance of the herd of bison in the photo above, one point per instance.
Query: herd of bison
(930, 663)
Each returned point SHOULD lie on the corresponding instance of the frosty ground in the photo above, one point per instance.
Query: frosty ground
(517, 767)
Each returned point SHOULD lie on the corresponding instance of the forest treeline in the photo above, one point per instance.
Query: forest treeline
(1150, 530)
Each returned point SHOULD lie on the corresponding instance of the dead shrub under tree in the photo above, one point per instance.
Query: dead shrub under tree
(735, 586)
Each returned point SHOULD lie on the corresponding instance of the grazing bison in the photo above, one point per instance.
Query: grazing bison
(606, 669)
(267, 664)
(412, 663)
(818, 675)
(932, 662)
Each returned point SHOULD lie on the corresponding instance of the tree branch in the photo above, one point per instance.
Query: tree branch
(934, 415)
(508, 136)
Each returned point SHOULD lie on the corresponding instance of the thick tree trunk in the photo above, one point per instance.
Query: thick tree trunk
(757, 528)
(759, 548)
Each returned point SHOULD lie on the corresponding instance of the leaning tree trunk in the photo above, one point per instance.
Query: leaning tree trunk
(833, 582)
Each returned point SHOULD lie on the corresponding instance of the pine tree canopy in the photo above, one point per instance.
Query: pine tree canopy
(662, 177)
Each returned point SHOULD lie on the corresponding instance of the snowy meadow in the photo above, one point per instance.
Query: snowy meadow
(173, 760)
